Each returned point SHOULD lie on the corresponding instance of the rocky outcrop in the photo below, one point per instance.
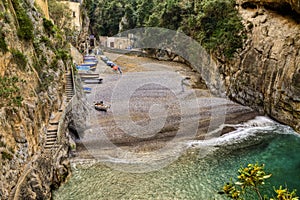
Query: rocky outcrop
(279, 5)
(83, 38)
(33, 61)
(266, 73)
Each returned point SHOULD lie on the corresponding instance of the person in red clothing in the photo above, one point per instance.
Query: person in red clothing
(117, 68)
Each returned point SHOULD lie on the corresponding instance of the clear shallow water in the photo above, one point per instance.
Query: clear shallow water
(196, 175)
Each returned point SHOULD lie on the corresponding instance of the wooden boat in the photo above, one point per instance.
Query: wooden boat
(90, 60)
(87, 89)
(90, 64)
(93, 81)
(101, 107)
(89, 57)
(88, 75)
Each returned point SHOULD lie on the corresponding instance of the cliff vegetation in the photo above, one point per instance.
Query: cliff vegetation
(33, 60)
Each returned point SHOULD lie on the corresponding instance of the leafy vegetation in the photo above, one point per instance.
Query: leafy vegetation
(10, 93)
(6, 155)
(61, 15)
(3, 45)
(19, 58)
(251, 178)
(214, 23)
(62, 54)
(25, 29)
(48, 26)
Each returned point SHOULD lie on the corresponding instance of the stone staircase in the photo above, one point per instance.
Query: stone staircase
(51, 136)
(69, 87)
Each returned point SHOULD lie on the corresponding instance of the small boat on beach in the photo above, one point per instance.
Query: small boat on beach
(88, 75)
(89, 57)
(83, 68)
(90, 64)
(87, 89)
(90, 60)
(93, 81)
(100, 106)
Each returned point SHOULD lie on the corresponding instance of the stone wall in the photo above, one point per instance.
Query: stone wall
(266, 73)
(41, 84)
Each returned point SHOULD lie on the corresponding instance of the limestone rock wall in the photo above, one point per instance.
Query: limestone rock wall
(266, 73)
(43, 4)
(37, 64)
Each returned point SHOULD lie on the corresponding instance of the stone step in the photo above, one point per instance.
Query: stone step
(54, 123)
(52, 131)
(50, 143)
(52, 136)
(51, 140)
(51, 147)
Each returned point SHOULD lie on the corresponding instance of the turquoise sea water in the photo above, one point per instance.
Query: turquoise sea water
(196, 175)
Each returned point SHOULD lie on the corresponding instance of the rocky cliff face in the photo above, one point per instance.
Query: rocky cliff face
(32, 67)
(266, 73)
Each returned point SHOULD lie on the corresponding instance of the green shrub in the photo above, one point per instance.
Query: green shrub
(62, 54)
(47, 41)
(10, 92)
(19, 58)
(6, 155)
(54, 64)
(25, 30)
(2, 144)
(3, 45)
(48, 26)
(220, 27)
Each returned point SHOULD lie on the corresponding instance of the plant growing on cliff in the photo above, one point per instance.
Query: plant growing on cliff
(25, 26)
(61, 15)
(10, 93)
(220, 27)
(19, 58)
(3, 45)
(48, 26)
(6, 156)
(251, 178)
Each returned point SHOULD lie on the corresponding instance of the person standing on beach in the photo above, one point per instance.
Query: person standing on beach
(119, 69)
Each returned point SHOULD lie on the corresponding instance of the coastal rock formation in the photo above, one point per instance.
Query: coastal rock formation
(33, 62)
(266, 73)
(276, 4)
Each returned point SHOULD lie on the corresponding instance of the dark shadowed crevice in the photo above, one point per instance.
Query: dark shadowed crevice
(249, 5)
(285, 10)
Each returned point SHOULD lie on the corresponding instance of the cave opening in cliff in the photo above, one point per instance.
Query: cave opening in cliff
(285, 10)
(248, 5)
